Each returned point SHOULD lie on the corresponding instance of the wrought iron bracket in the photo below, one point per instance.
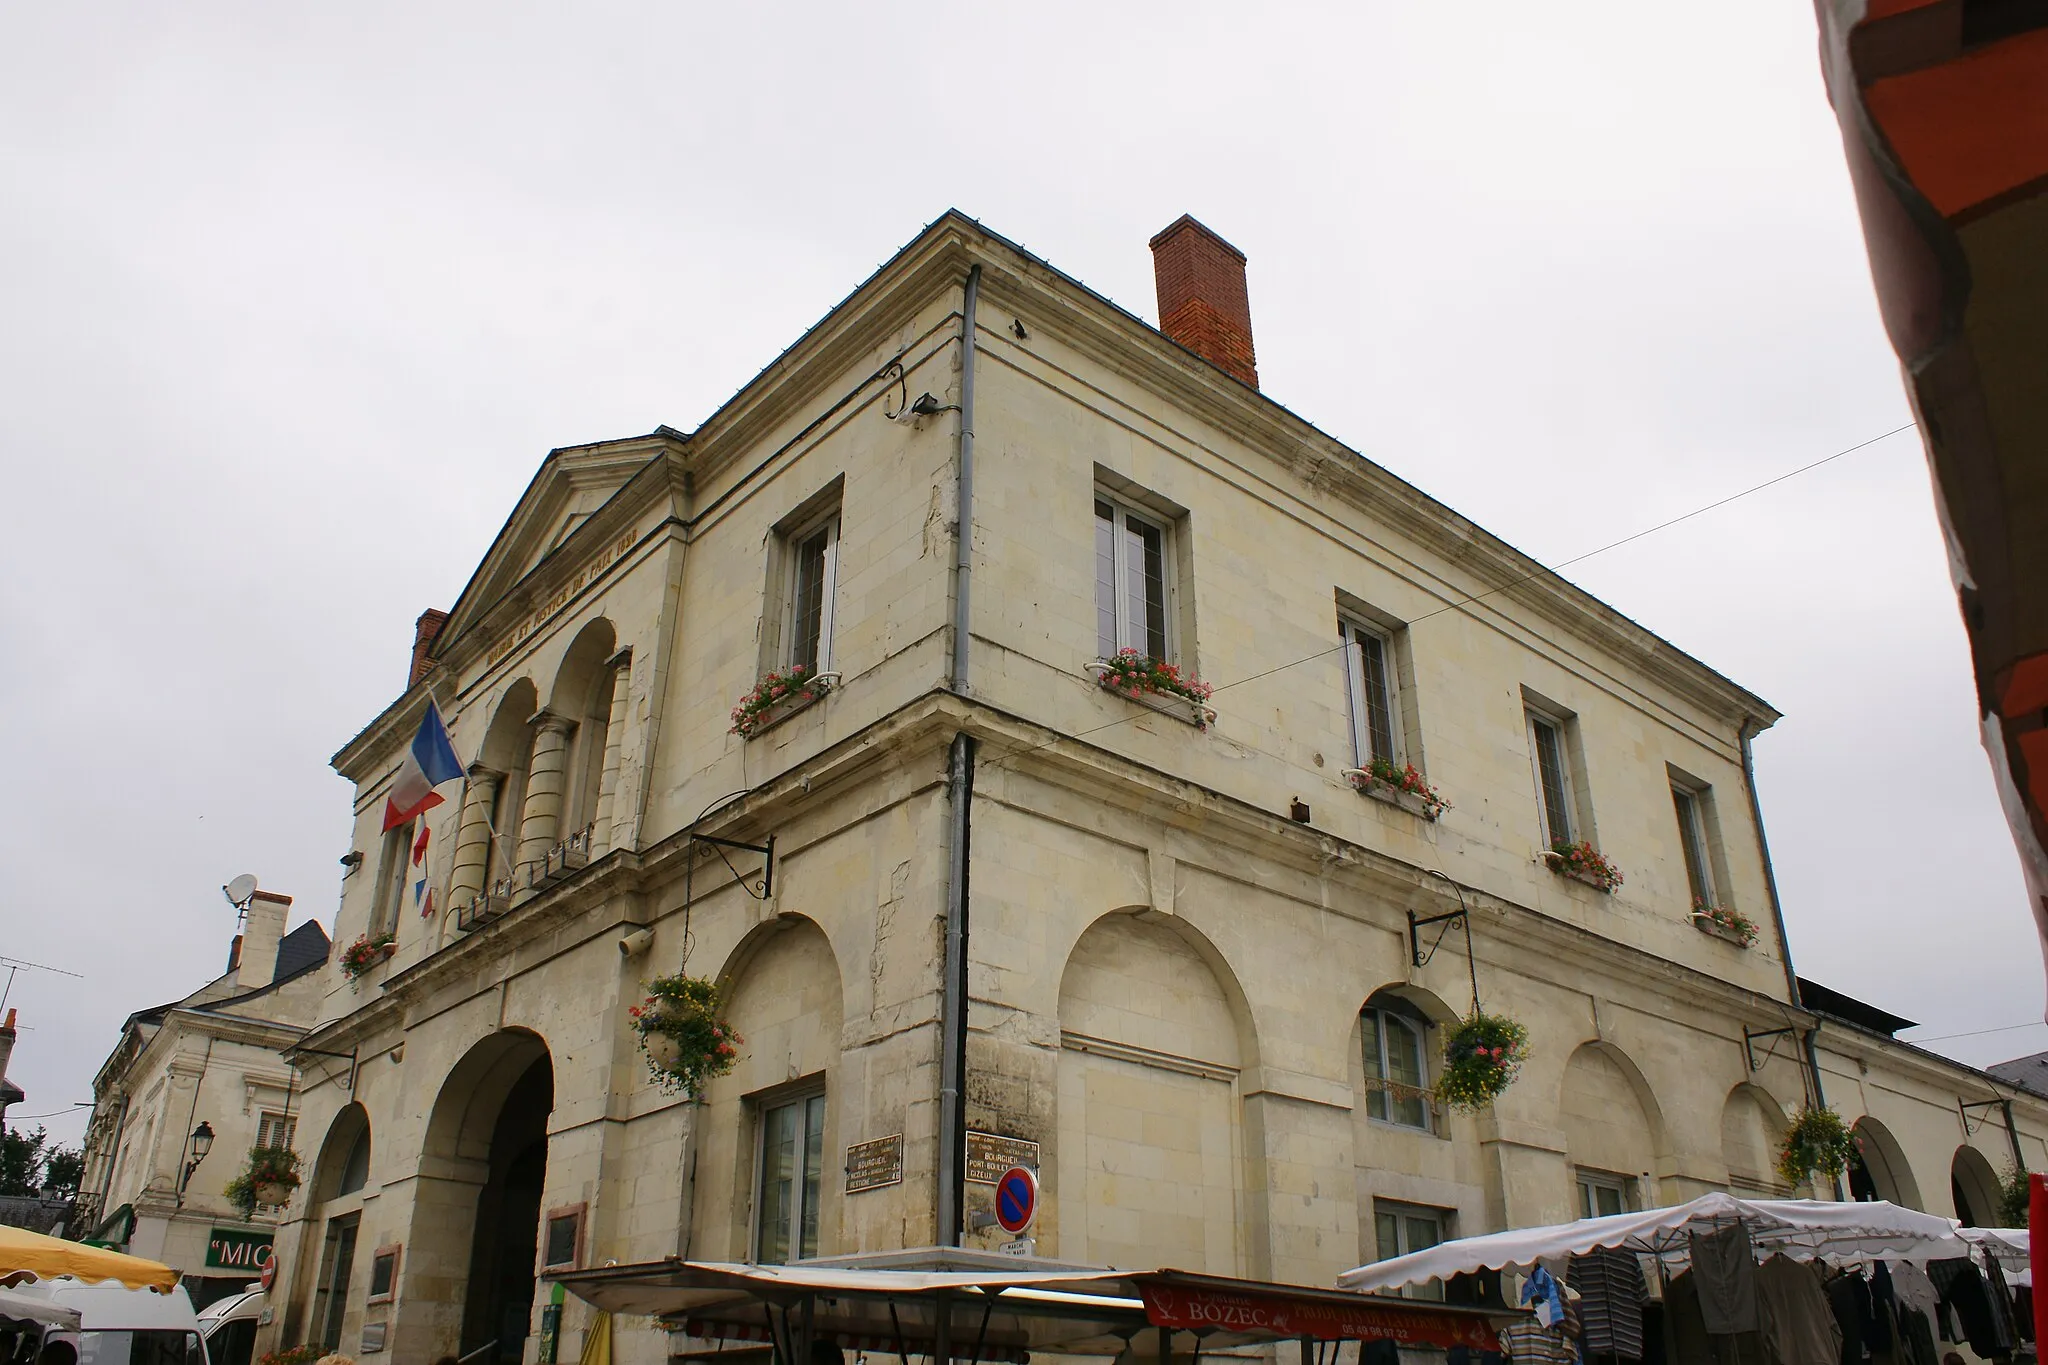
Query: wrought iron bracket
(1450, 920)
(767, 852)
(1964, 1110)
(350, 1056)
(1750, 1038)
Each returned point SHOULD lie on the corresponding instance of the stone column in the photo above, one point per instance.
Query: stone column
(473, 836)
(546, 779)
(621, 665)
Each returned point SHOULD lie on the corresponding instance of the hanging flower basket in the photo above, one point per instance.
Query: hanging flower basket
(1400, 785)
(270, 1176)
(1722, 922)
(778, 695)
(365, 953)
(686, 1041)
(1817, 1143)
(1481, 1057)
(1583, 863)
(1151, 682)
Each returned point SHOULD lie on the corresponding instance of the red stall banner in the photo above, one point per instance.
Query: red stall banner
(1196, 1310)
(2037, 1253)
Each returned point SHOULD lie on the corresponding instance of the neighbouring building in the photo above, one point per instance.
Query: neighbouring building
(188, 1090)
(970, 906)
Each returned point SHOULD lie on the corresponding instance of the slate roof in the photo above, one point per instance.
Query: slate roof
(2029, 1072)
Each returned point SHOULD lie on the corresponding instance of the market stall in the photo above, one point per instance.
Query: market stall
(953, 1308)
(24, 1253)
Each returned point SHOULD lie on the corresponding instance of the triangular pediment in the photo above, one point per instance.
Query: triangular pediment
(571, 487)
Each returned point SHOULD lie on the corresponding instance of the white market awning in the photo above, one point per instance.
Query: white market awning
(1805, 1229)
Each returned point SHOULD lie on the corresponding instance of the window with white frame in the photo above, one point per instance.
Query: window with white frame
(1692, 840)
(391, 873)
(1602, 1194)
(1399, 1229)
(811, 557)
(1396, 1045)
(1552, 763)
(1133, 562)
(1373, 688)
(789, 1172)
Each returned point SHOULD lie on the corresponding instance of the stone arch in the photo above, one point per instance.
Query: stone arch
(1377, 1063)
(1878, 1168)
(783, 995)
(1975, 1189)
(1613, 1126)
(1153, 1036)
(582, 694)
(343, 1166)
(1752, 1126)
(475, 1228)
(507, 750)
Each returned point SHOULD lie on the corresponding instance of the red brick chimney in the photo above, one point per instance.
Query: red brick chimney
(424, 632)
(1202, 300)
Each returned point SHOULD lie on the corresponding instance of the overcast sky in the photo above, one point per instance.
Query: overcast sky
(293, 300)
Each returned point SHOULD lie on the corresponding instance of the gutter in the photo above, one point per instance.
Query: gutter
(948, 1170)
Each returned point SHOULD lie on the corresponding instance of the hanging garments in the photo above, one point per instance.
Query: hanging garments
(1799, 1326)
(1724, 1269)
(1611, 1294)
(1963, 1291)
(1849, 1299)
(1914, 1290)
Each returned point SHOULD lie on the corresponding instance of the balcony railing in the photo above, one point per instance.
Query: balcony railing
(1400, 1095)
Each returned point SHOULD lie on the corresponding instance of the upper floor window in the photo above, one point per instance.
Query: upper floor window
(1374, 692)
(1551, 756)
(275, 1130)
(392, 866)
(813, 571)
(1691, 806)
(1132, 565)
(788, 1179)
(1396, 1065)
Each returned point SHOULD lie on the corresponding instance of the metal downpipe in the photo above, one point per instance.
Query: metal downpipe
(963, 502)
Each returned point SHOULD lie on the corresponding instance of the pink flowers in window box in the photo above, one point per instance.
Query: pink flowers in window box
(776, 695)
(1582, 862)
(1138, 676)
(1722, 922)
(1384, 776)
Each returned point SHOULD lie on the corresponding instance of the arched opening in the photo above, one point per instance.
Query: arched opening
(583, 695)
(335, 1206)
(483, 1166)
(1151, 1045)
(1752, 1125)
(766, 1183)
(1877, 1166)
(1612, 1132)
(1974, 1188)
(1398, 1047)
(507, 752)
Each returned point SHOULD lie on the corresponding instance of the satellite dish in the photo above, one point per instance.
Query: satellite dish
(240, 889)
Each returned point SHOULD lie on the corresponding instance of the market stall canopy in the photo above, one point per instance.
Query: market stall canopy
(2013, 1247)
(1805, 1229)
(995, 1315)
(28, 1308)
(25, 1252)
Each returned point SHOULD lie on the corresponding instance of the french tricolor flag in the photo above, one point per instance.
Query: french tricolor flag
(430, 762)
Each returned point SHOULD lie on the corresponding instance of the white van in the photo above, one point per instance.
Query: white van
(123, 1326)
(229, 1326)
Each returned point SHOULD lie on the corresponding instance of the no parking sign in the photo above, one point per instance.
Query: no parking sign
(1016, 1199)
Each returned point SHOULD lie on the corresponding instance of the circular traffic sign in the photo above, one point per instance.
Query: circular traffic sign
(1016, 1199)
(269, 1276)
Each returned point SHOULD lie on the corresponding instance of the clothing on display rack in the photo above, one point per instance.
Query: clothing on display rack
(1913, 1289)
(1963, 1292)
(1529, 1342)
(2004, 1321)
(1849, 1298)
(1916, 1330)
(1724, 1270)
(1611, 1294)
(1799, 1325)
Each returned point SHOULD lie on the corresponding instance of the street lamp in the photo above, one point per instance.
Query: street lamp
(202, 1143)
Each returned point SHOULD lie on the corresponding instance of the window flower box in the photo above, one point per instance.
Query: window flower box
(1157, 684)
(365, 953)
(1583, 863)
(1398, 786)
(1724, 923)
(777, 697)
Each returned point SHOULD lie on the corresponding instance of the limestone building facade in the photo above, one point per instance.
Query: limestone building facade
(1159, 948)
(189, 1089)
